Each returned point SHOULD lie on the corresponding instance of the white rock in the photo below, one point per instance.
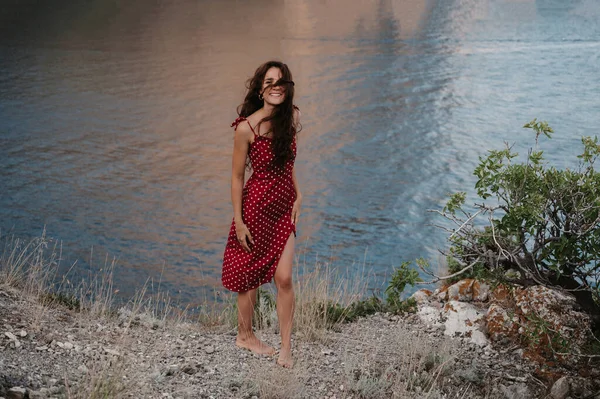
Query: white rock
(479, 338)
(68, 345)
(430, 315)
(421, 296)
(10, 336)
(441, 295)
(22, 333)
(483, 293)
(16, 393)
(461, 291)
(560, 389)
(209, 349)
(462, 319)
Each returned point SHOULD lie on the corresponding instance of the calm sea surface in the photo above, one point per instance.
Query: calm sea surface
(114, 120)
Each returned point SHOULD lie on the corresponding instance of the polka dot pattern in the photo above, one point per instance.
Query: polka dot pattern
(267, 201)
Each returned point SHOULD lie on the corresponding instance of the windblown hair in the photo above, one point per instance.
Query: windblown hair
(283, 125)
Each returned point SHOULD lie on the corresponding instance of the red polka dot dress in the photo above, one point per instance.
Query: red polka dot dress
(267, 201)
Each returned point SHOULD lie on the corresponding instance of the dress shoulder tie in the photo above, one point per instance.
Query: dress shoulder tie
(239, 120)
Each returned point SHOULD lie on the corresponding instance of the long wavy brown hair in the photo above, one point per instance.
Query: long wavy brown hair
(283, 125)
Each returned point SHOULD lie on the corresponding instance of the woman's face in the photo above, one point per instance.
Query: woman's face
(273, 95)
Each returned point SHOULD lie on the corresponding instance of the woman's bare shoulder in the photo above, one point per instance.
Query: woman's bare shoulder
(243, 131)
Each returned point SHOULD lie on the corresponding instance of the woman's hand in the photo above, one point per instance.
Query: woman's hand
(296, 210)
(243, 236)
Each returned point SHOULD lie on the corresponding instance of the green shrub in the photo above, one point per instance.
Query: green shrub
(401, 276)
(541, 221)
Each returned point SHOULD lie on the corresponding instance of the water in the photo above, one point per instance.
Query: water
(114, 120)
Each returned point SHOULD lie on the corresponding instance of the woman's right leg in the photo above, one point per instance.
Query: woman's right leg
(246, 338)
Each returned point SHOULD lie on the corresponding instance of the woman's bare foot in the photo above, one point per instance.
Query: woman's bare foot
(255, 345)
(285, 359)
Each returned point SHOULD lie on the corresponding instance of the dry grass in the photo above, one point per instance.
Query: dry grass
(278, 383)
(32, 267)
(104, 379)
(403, 365)
(316, 290)
(400, 366)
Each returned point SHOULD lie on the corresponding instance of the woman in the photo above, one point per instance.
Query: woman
(260, 246)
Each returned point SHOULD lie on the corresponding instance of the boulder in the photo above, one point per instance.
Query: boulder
(461, 291)
(441, 294)
(545, 320)
(501, 327)
(422, 296)
(557, 311)
(464, 319)
(430, 315)
(468, 290)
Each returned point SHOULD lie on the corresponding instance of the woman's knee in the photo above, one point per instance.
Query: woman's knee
(284, 283)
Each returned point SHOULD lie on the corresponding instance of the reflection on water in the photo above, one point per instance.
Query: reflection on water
(114, 119)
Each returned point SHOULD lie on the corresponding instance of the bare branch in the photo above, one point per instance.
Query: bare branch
(466, 222)
(441, 278)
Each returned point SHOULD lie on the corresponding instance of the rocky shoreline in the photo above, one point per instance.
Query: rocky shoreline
(53, 352)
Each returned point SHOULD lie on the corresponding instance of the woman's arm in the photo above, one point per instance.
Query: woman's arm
(298, 202)
(296, 187)
(241, 144)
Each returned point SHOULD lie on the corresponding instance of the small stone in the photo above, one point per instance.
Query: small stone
(481, 291)
(10, 336)
(189, 369)
(560, 389)
(16, 393)
(172, 369)
(41, 348)
(68, 345)
(519, 352)
(22, 333)
(111, 352)
(209, 349)
(83, 369)
(59, 344)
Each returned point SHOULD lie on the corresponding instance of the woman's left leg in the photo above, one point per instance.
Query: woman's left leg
(285, 302)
